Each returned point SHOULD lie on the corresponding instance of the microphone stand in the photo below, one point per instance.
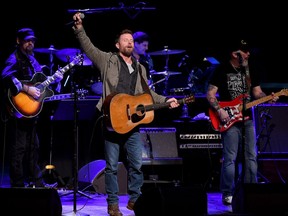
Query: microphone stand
(245, 90)
(239, 196)
(243, 72)
(76, 144)
(131, 11)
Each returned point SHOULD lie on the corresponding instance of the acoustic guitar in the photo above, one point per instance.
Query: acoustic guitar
(24, 105)
(123, 112)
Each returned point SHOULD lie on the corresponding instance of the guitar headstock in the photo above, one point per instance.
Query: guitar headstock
(284, 92)
(189, 99)
(77, 60)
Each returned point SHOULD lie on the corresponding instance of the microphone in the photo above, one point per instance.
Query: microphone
(239, 57)
(82, 16)
(183, 61)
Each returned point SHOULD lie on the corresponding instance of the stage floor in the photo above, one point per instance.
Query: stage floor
(96, 205)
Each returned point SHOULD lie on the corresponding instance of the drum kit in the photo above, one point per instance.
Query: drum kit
(166, 73)
(67, 54)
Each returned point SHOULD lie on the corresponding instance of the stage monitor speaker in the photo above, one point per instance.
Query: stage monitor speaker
(31, 201)
(161, 140)
(261, 199)
(166, 199)
(271, 128)
(93, 173)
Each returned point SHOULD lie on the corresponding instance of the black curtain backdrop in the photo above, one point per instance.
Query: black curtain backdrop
(201, 28)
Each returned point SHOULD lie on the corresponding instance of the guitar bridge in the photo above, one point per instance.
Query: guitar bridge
(128, 112)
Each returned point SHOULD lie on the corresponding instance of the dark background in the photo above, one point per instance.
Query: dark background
(201, 28)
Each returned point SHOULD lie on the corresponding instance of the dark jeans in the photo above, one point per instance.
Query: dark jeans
(24, 153)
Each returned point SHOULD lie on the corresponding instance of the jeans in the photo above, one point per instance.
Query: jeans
(24, 153)
(233, 151)
(132, 146)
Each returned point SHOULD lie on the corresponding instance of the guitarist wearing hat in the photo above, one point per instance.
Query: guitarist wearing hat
(23, 141)
(237, 83)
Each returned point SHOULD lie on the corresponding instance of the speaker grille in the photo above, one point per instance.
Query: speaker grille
(161, 140)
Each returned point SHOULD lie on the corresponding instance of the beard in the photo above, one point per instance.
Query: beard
(29, 49)
(245, 63)
(127, 52)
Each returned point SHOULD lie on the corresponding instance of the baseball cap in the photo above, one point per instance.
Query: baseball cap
(239, 44)
(25, 34)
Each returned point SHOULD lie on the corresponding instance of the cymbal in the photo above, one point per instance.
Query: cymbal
(70, 53)
(166, 73)
(46, 50)
(166, 52)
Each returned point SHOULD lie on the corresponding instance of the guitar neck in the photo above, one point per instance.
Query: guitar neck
(52, 78)
(60, 97)
(262, 100)
(162, 105)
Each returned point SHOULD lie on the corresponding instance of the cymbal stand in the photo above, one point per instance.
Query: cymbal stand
(155, 83)
(51, 48)
(167, 71)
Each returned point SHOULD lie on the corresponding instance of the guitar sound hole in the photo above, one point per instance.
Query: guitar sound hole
(140, 110)
(136, 118)
(139, 115)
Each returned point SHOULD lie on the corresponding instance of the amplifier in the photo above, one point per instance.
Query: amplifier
(197, 135)
(200, 141)
(159, 142)
(201, 149)
(271, 128)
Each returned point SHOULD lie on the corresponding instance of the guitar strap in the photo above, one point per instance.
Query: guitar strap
(143, 83)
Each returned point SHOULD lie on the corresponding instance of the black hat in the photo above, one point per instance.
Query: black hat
(26, 34)
(239, 44)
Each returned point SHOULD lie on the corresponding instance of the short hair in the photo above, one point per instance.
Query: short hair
(140, 37)
(125, 31)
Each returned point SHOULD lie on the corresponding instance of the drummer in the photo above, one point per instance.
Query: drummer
(141, 45)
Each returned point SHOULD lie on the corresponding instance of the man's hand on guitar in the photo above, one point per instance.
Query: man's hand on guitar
(223, 115)
(32, 90)
(274, 98)
(173, 102)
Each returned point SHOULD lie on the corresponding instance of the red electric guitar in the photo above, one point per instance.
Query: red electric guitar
(234, 109)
